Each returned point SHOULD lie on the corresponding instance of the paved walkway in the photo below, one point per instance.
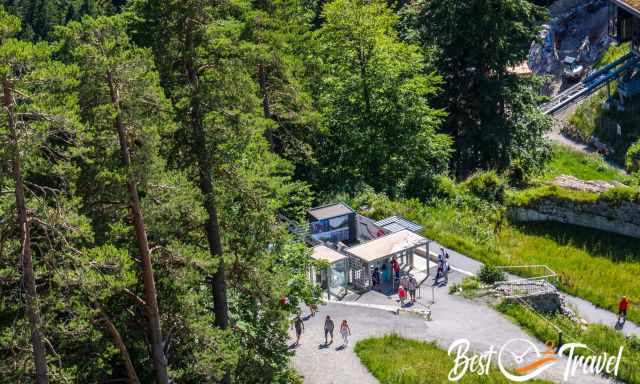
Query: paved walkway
(586, 310)
(453, 318)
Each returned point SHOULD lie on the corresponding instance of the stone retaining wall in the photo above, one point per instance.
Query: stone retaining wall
(621, 218)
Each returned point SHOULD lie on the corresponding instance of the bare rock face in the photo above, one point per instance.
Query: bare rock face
(572, 182)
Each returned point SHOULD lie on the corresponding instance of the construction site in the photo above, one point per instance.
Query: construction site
(590, 50)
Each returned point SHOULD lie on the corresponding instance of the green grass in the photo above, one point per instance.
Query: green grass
(598, 337)
(395, 360)
(600, 269)
(566, 161)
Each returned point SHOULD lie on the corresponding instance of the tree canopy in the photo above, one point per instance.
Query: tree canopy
(149, 150)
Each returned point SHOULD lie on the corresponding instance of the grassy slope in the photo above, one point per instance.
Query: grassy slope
(587, 269)
(597, 337)
(594, 265)
(395, 360)
(567, 161)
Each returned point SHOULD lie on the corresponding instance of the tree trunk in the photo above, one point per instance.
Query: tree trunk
(266, 106)
(212, 228)
(124, 352)
(28, 279)
(211, 225)
(153, 315)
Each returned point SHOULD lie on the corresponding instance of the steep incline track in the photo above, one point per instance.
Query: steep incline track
(590, 84)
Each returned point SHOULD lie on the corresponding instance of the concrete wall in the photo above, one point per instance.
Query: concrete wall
(622, 218)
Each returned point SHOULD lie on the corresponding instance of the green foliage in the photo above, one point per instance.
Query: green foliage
(613, 53)
(396, 360)
(599, 338)
(587, 114)
(39, 17)
(490, 274)
(615, 195)
(487, 185)
(471, 287)
(633, 157)
(493, 115)
(373, 93)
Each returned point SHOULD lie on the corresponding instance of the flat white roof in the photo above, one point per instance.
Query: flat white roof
(387, 245)
(322, 252)
(330, 211)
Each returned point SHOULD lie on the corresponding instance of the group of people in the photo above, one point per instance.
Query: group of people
(407, 286)
(443, 268)
(329, 326)
(395, 270)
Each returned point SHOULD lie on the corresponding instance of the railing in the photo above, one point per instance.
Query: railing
(526, 280)
(301, 232)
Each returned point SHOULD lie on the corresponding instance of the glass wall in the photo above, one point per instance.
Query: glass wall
(331, 230)
(338, 278)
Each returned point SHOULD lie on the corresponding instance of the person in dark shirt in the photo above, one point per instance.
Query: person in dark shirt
(328, 329)
(298, 324)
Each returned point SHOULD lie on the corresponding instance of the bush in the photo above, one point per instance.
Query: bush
(620, 194)
(633, 157)
(490, 274)
(432, 188)
(487, 185)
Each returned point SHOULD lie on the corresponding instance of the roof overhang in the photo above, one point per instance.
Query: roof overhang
(631, 6)
(324, 253)
(386, 246)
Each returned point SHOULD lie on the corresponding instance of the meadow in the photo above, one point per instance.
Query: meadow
(598, 337)
(396, 360)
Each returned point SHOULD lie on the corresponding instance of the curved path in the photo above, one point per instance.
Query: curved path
(453, 318)
(586, 309)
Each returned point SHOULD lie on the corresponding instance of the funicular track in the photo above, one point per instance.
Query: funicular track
(590, 84)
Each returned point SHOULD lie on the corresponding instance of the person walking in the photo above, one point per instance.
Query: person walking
(402, 294)
(345, 331)
(413, 285)
(623, 307)
(328, 330)
(445, 269)
(313, 308)
(299, 326)
(439, 271)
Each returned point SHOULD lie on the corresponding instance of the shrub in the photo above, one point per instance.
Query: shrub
(487, 185)
(633, 157)
(620, 194)
(490, 274)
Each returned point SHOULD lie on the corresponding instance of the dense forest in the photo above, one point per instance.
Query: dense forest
(148, 147)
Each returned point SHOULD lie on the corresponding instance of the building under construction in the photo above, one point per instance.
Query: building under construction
(624, 26)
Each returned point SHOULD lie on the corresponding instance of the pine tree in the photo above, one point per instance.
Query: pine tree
(33, 112)
(126, 97)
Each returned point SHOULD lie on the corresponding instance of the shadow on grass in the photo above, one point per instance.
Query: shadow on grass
(597, 243)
